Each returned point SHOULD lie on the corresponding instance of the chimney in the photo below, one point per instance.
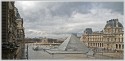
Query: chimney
(116, 22)
(107, 21)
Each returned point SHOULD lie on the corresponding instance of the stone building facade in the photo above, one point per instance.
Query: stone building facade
(110, 38)
(10, 46)
(49, 40)
(20, 34)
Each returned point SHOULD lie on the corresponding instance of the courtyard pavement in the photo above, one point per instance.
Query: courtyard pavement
(43, 55)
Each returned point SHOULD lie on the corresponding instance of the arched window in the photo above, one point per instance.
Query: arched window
(102, 44)
(122, 46)
(119, 46)
(116, 46)
(98, 44)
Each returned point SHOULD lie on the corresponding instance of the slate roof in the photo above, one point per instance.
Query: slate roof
(113, 23)
(88, 30)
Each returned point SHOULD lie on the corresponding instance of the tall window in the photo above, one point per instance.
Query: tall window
(18, 36)
(119, 40)
(122, 39)
(116, 46)
(102, 44)
(115, 39)
(119, 46)
(94, 44)
(122, 46)
(107, 39)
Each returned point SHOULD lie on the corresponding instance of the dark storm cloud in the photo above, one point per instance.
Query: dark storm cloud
(67, 8)
(115, 6)
(54, 18)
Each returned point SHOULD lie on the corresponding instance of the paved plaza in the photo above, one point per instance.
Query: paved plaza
(43, 55)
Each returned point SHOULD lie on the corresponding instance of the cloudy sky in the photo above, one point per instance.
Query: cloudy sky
(58, 19)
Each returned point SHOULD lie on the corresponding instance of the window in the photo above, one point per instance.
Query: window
(122, 39)
(18, 36)
(102, 44)
(115, 30)
(119, 40)
(107, 39)
(119, 46)
(115, 39)
(116, 46)
(94, 44)
(122, 46)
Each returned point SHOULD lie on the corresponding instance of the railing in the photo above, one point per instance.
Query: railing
(102, 50)
(48, 43)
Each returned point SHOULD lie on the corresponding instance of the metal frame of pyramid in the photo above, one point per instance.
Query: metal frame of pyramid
(71, 45)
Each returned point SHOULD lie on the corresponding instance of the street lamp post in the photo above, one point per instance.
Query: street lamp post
(27, 51)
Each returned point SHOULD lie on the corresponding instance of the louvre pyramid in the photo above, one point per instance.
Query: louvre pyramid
(72, 43)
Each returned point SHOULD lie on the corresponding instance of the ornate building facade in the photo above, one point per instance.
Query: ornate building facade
(20, 34)
(11, 49)
(49, 40)
(110, 38)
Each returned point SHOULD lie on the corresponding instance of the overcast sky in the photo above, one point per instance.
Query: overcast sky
(57, 19)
